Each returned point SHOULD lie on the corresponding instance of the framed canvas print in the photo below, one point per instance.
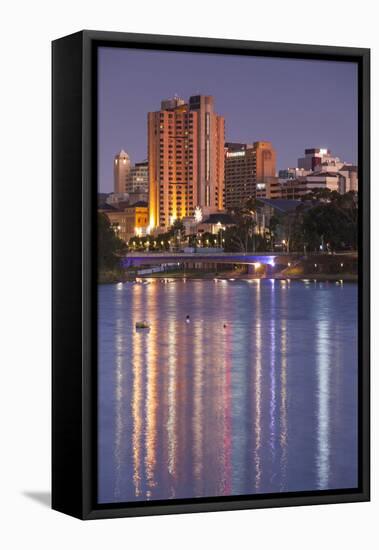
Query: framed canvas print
(210, 274)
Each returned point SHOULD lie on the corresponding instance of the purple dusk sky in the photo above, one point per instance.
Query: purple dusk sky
(293, 103)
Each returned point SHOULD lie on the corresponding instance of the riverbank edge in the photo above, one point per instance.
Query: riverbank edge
(321, 277)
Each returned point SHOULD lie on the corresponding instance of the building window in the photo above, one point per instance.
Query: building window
(207, 161)
(207, 196)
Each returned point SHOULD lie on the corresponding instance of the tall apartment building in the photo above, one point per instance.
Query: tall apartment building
(186, 160)
(240, 173)
(121, 171)
(248, 167)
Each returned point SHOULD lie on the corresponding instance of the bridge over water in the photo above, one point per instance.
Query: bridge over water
(135, 259)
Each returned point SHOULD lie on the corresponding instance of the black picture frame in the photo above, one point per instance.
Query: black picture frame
(74, 314)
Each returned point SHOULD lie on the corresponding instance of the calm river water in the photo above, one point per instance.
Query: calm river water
(267, 403)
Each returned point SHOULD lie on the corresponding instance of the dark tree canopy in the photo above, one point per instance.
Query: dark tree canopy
(110, 247)
(329, 219)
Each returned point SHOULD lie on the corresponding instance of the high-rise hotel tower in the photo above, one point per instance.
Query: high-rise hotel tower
(121, 171)
(186, 160)
(248, 167)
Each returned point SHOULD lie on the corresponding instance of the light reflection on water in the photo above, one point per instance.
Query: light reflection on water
(264, 404)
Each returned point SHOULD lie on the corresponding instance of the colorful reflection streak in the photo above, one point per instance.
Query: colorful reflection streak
(255, 394)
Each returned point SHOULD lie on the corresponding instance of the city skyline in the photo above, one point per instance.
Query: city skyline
(228, 269)
(324, 113)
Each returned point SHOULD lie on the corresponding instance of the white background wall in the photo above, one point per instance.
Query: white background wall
(26, 31)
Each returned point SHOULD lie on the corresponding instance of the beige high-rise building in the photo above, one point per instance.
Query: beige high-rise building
(121, 171)
(265, 160)
(186, 160)
(249, 168)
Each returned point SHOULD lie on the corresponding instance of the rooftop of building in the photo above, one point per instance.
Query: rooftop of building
(234, 146)
(349, 168)
(282, 205)
(122, 154)
(121, 205)
(219, 217)
(317, 151)
(102, 197)
(106, 207)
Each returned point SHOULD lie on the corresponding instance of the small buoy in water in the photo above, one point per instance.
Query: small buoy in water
(142, 324)
(188, 320)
